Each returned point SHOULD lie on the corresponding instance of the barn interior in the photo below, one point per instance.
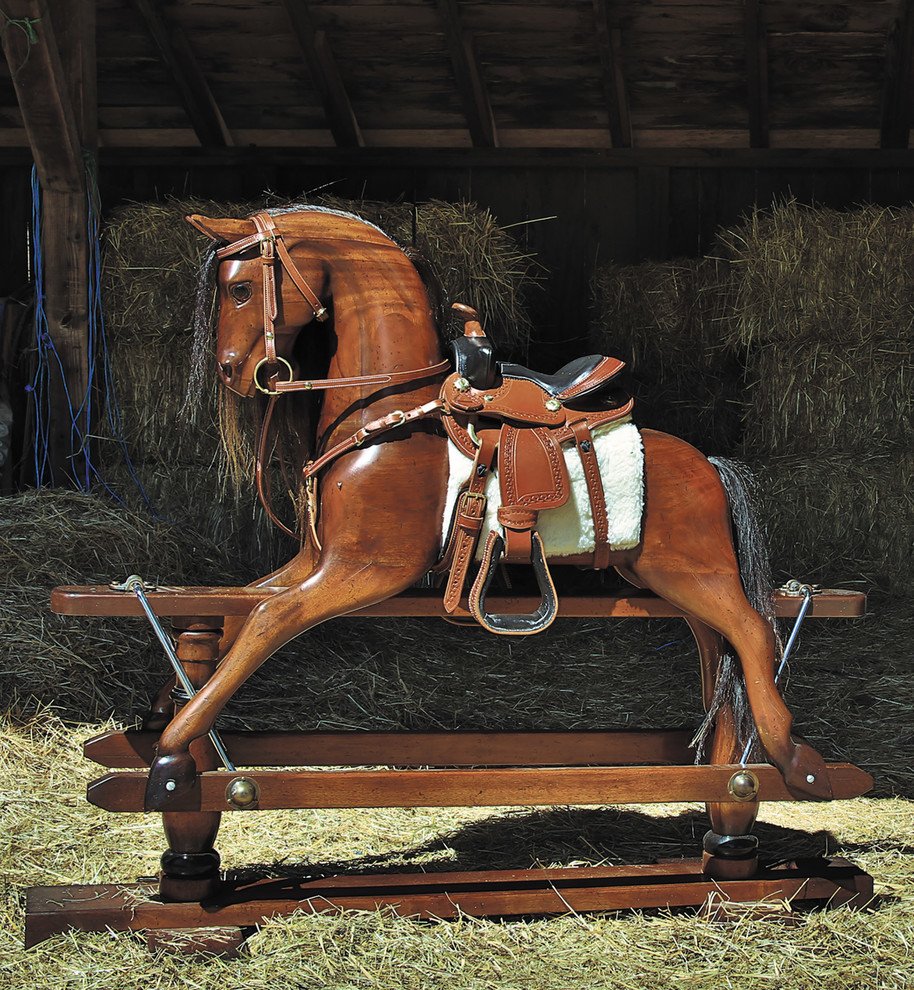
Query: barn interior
(718, 193)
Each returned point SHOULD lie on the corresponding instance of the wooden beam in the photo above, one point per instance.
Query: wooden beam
(820, 157)
(899, 79)
(44, 97)
(468, 76)
(199, 103)
(54, 76)
(318, 56)
(609, 42)
(756, 39)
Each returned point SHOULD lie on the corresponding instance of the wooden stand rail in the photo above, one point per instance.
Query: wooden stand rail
(434, 769)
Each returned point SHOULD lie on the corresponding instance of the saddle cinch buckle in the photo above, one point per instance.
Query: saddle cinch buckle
(522, 624)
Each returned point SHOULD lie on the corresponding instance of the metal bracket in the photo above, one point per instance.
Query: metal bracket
(139, 587)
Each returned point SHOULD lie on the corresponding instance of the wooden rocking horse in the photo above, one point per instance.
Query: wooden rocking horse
(394, 415)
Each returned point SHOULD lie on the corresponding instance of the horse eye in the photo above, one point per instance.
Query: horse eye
(241, 292)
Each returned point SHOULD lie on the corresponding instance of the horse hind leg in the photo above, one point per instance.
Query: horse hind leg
(730, 850)
(335, 587)
(718, 600)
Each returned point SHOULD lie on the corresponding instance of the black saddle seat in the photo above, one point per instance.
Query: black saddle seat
(565, 378)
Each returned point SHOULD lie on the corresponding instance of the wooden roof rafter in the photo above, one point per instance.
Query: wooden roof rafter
(756, 38)
(895, 126)
(197, 97)
(318, 56)
(609, 42)
(468, 74)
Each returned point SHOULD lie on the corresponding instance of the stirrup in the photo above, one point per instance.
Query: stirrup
(514, 625)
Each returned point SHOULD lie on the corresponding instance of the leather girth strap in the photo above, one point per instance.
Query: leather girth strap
(583, 439)
(469, 513)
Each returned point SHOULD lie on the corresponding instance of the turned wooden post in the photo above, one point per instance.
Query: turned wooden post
(730, 851)
(190, 865)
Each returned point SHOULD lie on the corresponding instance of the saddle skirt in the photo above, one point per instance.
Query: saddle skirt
(568, 530)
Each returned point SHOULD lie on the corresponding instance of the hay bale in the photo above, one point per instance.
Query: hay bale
(807, 273)
(841, 518)
(664, 320)
(85, 668)
(823, 309)
(821, 396)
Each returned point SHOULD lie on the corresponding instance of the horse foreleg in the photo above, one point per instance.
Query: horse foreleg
(335, 587)
(292, 573)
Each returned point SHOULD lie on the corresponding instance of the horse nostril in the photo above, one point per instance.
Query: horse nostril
(227, 371)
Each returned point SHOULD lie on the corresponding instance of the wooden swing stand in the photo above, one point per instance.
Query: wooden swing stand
(192, 907)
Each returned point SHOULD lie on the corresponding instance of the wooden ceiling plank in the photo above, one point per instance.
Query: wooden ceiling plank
(756, 39)
(43, 94)
(318, 56)
(609, 42)
(174, 49)
(469, 77)
(895, 126)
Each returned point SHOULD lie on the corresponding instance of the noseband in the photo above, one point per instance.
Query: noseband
(273, 249)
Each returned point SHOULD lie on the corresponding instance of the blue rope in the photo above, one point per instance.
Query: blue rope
(100, 378)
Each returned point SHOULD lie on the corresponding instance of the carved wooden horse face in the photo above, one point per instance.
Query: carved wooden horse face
(262, 303)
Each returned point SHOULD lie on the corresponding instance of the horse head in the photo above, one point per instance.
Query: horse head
(264, 299)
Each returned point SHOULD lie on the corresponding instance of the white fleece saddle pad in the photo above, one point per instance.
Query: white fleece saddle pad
(568, 529)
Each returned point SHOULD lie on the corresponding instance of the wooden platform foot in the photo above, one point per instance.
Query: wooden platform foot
(498, 893)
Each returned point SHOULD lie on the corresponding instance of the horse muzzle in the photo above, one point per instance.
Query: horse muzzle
(233, 377)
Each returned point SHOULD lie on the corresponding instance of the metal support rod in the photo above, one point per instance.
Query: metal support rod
(136, 584)
(806, 591)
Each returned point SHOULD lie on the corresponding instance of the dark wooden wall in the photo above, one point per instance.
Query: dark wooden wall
(571, 217)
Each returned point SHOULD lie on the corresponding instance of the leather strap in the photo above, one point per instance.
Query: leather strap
(262, 472)
(370, 430)
(469, 515)
(583, 439)
(385, 378)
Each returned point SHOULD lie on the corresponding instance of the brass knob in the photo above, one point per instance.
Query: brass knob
(553, 405)
(743, 786)
(242, 793)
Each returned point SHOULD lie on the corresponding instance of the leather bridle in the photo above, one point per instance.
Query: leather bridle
(272, 251)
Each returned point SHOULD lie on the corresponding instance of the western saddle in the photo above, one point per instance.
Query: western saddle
(514, 420)
(511, 420)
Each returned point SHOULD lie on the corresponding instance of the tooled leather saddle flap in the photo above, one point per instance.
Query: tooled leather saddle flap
(531, 469)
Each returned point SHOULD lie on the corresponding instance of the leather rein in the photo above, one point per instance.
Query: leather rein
(273, 251)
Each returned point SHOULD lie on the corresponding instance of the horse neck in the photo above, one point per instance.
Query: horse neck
(382, 319)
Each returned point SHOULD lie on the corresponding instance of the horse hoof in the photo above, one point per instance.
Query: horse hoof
(806, 775)
(170, 778)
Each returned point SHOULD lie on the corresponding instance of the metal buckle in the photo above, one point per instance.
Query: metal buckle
(261, 363)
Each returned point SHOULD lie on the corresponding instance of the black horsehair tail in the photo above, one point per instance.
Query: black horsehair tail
(755, 572)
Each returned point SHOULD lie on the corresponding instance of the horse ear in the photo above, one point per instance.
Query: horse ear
(225, 230)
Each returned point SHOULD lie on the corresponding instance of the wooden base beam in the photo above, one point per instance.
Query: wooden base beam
(205, 601)
(500, 893)
(283, 789)
(134, 749)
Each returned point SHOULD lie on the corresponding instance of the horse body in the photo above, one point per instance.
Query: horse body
(381, 504)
